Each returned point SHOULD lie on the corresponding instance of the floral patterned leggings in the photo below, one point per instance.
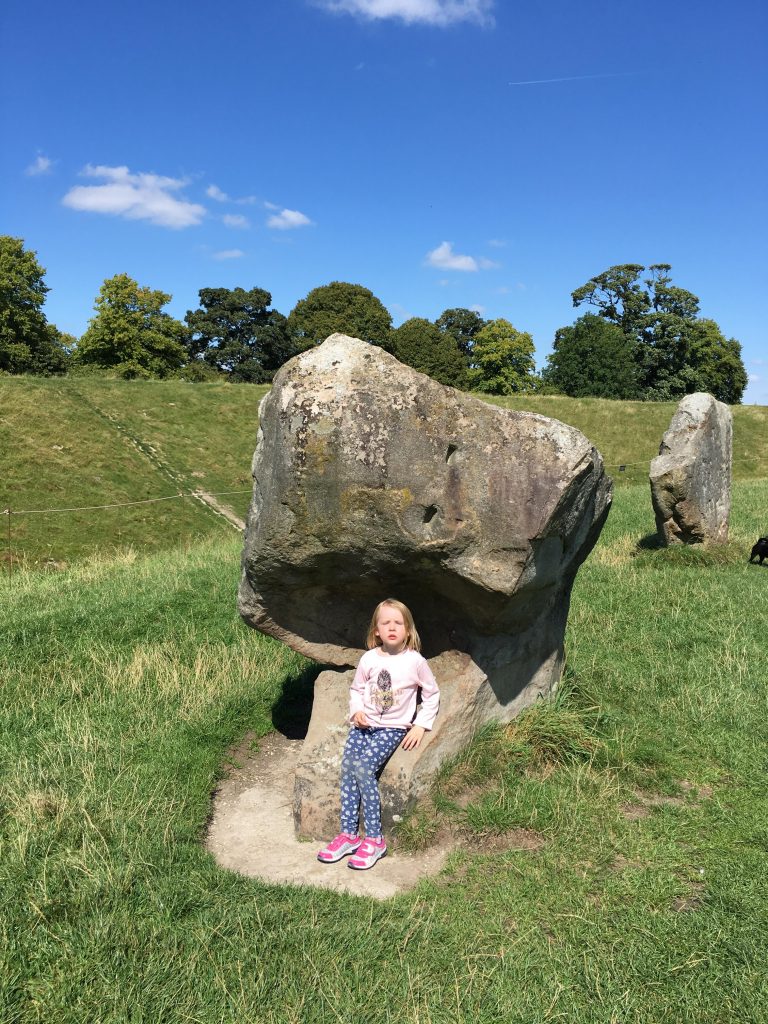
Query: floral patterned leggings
(365, 753)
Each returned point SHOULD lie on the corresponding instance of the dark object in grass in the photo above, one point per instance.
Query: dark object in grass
(759, 550)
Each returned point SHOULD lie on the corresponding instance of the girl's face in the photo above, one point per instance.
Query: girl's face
(390, 629)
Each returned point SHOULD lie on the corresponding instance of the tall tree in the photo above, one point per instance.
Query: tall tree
(339, 307)
(236, 332)
(593, 357)
(462, 324)
(422, 345)
(662, 321)
(618, 294)
(718, 362)
(131, 334)
(502, 360)
(28, 343)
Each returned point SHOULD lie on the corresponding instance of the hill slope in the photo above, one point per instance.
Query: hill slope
(77, 443)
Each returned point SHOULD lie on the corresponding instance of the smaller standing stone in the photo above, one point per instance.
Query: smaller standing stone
(691, 476)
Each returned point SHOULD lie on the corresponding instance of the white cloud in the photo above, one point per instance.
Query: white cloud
(285, 220)
(229, 254)
(497, 243)
(477, 308)
(135, 197)
(236, 220)
(488, 264)
(42, 165)
(446, 259)
(427, 12)
(214, 192)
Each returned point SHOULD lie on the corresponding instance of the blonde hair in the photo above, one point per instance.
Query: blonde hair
(412, 639)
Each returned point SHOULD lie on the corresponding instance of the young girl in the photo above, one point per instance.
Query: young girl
(382, 702)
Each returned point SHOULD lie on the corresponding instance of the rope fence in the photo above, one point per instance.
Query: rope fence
(201, 495)
(117, 504)
(8, 512)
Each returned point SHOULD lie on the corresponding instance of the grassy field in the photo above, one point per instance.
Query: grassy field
(628, 433)
(69, 443)
(618, 839)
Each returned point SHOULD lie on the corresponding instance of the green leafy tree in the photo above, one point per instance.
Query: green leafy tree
(339, 307)
(28, 343)
(130, 334)
(236, 332)
(593, 357)
(711, 362)
(618, 294)
(462, 324)
(662, 321)
(422, 345)
(502, 360)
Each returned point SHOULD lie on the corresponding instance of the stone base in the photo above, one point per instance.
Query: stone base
(467, 702)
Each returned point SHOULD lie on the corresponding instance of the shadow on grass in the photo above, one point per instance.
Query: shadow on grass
(293, 708)
(650, 551)
(650, 542)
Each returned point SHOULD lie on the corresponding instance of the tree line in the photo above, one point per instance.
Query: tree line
(645, 340)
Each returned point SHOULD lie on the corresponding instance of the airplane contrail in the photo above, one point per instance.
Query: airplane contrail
(574, 78)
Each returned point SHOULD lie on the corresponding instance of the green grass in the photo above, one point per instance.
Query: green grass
(73, 442)
(69, 443)
(629, 433)
(642, 900)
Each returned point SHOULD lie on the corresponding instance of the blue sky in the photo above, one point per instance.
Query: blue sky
(440, 152)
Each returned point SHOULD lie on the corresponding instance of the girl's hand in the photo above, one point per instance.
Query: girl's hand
(413, 737)
(360, 720)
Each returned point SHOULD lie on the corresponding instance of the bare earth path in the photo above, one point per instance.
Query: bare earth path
(252, 830)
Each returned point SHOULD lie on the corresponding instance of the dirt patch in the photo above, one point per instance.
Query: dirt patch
(515, 839)
(693, 901)
(620, 863)
(219, 508)
(644, 803)
(251, 829)
(634, 812)
(698, 792)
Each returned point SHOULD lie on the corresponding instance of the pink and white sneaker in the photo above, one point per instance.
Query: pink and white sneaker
(370, 851)
(338, 848)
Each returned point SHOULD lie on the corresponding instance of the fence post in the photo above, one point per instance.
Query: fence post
(10, 551)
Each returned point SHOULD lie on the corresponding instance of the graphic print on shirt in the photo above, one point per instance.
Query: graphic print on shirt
(381, 692)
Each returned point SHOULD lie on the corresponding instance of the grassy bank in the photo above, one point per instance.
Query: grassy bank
(620, 882)
(628, 433)
(70, 443)
(78, 443)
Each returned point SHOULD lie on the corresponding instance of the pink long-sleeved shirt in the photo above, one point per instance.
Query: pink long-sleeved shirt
(385, 688)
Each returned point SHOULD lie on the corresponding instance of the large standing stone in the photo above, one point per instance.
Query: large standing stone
(372, 480)
(691, 475)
